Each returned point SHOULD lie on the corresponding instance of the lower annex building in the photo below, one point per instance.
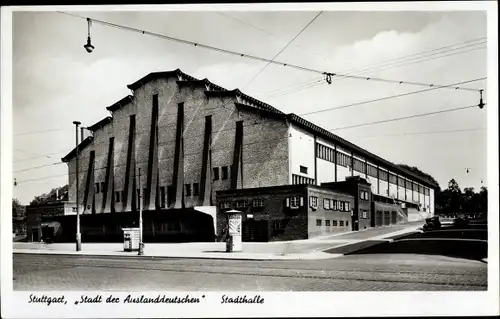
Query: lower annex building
(203, 149)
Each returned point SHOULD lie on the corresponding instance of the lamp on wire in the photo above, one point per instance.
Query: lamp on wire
(89, 47)
(481, 103)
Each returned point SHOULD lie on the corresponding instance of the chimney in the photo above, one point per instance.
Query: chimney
(57, 193)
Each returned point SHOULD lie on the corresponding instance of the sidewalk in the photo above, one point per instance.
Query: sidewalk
(309, 249)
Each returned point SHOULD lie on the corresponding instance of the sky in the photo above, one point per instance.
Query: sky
(55, 81)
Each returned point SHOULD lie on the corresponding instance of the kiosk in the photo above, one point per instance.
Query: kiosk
(131, 239)
(234, 219)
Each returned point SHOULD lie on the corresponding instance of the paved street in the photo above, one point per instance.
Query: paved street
(349, 273)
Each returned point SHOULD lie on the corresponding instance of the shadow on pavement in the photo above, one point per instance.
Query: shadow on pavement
(452, 247)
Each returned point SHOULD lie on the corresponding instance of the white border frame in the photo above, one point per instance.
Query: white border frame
(14, 304)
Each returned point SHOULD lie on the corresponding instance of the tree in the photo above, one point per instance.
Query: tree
(18, 210)
(18, 215)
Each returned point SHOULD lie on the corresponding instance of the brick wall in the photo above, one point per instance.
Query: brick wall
(284, 223)
(83, 164)
(101, 147)
(333, 216)
(264, 149)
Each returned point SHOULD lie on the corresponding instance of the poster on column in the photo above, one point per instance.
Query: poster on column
(234, 224)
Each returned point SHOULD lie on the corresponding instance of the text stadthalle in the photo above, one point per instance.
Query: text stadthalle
(242, 299)
(46, 299)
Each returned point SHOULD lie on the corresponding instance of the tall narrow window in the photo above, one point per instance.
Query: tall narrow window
(170, 195)
(196, 189)
(162, 197)
(103, 186)
(225, 172)
(216, 174)
(97, 187)
(117, 197)
(188, 189)
(155, 100)
(144, 194)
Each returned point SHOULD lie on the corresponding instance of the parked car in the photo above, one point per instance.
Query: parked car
(432, 223)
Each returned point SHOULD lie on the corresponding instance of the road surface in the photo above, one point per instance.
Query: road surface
(401, 272)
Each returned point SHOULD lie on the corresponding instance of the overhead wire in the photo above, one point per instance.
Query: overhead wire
(426, 53)
(36, 167)
(425, 133)
(387, 97)
(285, 47)
(249, 56)
(41, 178)
(404, 117)
(423, 56)
(38, 132)
(262, 69)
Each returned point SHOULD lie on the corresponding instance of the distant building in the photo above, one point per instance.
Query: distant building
(192, 138)
(43, 209)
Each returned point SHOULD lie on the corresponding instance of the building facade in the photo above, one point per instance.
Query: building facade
(286, 212)
(191, 138)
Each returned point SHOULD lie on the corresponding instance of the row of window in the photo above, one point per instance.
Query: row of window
(256, 202)
(328, 154)
(299, 180)
(330, 204)
(334, 223)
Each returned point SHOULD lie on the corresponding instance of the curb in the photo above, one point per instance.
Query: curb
(33, 252)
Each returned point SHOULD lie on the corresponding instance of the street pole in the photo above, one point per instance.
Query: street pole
(78, 234)
(141, 244)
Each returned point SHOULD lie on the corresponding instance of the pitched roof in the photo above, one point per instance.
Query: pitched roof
(100, 124)
(86, 142)
(155, 75)
(120, 104)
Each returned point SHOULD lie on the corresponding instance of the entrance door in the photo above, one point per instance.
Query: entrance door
(387, 218)
(394, 217)
(355, 222)
(35, 236)
(378, 219)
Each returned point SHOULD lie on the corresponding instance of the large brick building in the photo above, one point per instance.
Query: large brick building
(192, 138)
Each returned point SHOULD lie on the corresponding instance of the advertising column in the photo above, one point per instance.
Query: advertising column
(234, 225)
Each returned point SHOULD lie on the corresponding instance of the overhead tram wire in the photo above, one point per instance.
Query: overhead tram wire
(404, 117)
(41, 178)
(313, 82)
(38, 132)
(426, 133)
(261, 70)
(327, 74)
(36, 167)
(415, 62)
(424, 58)
(388, 97)
(284, 48)
(421, 54)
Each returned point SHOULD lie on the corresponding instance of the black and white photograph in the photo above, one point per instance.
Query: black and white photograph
(190, 160)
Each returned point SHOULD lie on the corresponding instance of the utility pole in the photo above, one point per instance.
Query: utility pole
(78, 234)
(141, 244)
